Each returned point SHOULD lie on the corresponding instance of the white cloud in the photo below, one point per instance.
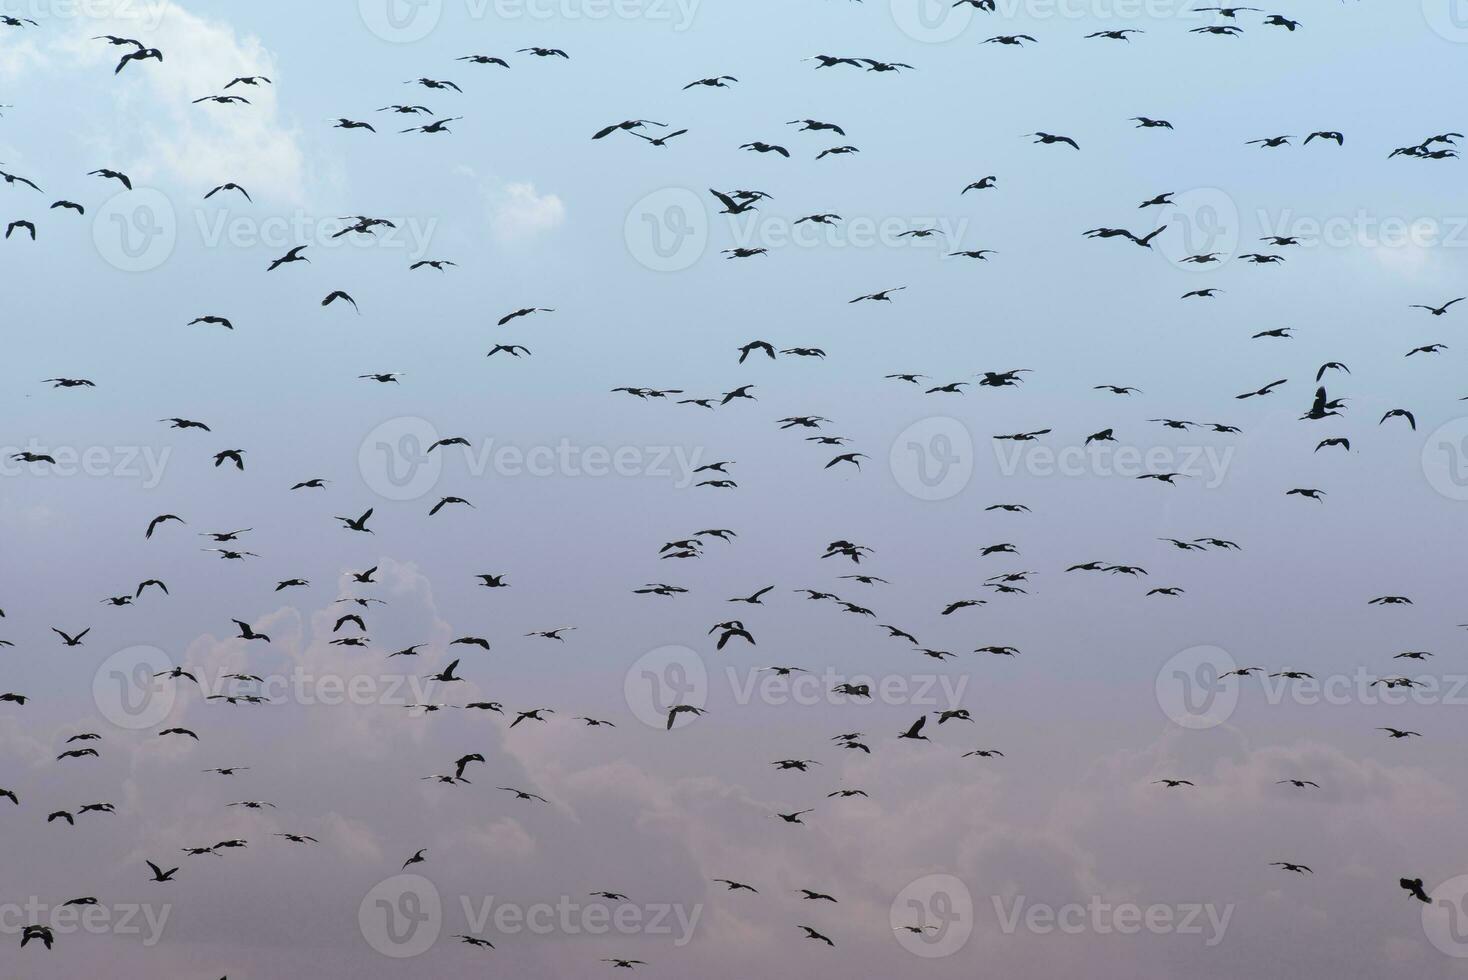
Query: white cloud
(518, 211)
(172, 138)
(18, 58)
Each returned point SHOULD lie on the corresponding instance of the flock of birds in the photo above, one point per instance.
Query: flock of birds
(1322, 407)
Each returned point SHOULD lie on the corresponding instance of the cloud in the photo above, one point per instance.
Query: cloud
(18, 58)
(169, 137)
(517, 211)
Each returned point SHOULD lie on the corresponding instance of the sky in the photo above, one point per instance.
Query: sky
(1064, 853)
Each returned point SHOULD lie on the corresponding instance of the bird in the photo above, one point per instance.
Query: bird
(682, 709)
(1279, 20)
(159, 874)
(1145, 241)
(1438, 310)
(337, 294)
(140, 54)
(761, 147)
(1050, 138)
(248, 633)
(294, 254)
(881, 296)
(358, 523)
(1400, 413)
(523, 311)
(1414, 889)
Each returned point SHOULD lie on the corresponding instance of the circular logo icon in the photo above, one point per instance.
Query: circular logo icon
(128, 691)
(667, 230)
(1448, 19)
(136, 230)
(401, 21)
(933, 459)
(1445, 919)
(402, 916)
(934, 916)
(1192, 690)
(397, 460)
(661, 680)
(1202, 229)
(1445, 459)
(931, 21)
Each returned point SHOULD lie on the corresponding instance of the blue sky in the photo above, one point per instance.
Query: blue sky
(535, 214)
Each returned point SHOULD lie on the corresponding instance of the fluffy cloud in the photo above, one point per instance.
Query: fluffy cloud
(169, 136)
(518, 211)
